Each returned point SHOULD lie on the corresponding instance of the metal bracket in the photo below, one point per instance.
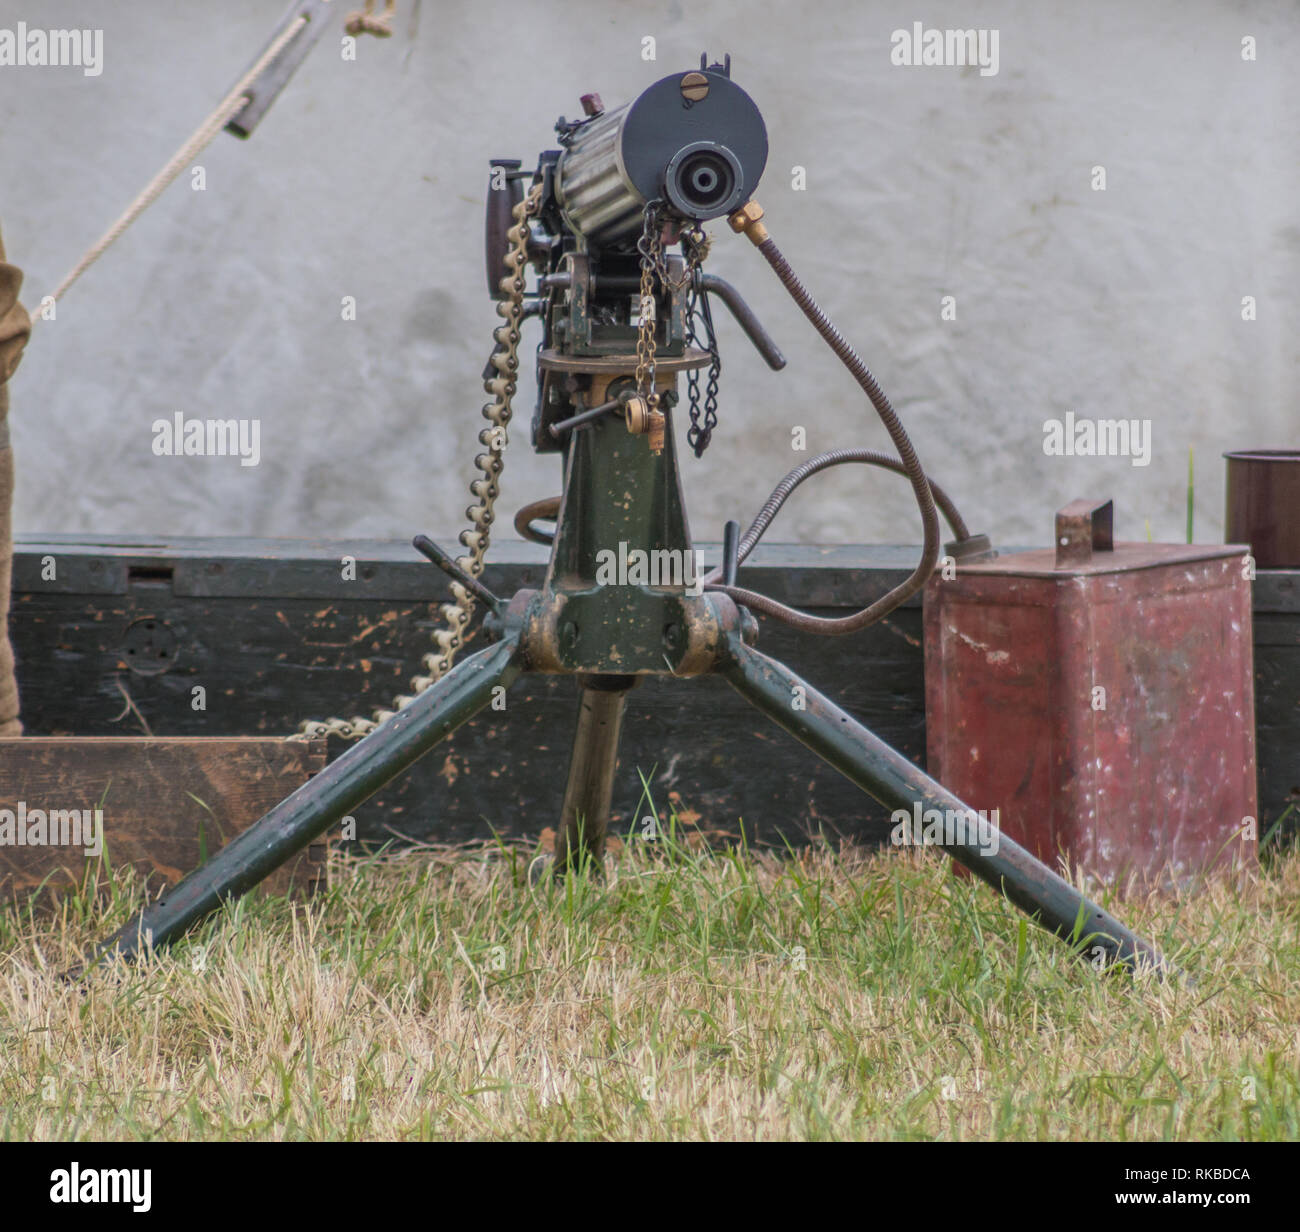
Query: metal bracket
(1082, 528)
(266, 89)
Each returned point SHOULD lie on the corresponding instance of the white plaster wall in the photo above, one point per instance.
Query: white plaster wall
(366, 180)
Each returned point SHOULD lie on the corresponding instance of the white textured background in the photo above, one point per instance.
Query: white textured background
(366, 179)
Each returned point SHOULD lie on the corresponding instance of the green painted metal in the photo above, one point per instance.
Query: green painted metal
(886, 775)
(584, 817)
(323, 800)
(622, 508)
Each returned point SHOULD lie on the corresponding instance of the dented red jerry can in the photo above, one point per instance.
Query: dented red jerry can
(1100, 697)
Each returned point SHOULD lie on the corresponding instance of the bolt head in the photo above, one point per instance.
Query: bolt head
(568, 636)
(694, 86)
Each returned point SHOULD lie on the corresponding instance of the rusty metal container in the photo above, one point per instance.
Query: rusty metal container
(1099, 696)
(1263, 505)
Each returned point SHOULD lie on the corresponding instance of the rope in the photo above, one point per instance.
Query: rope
(229, 107)
(381, 25)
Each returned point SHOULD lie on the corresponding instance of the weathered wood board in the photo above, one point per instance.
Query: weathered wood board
(155, 803)
(275, 631)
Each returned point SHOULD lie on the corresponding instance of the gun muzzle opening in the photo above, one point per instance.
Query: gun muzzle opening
(704, 180)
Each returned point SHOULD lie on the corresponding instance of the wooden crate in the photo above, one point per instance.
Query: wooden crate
(277, 631)
(161, 802)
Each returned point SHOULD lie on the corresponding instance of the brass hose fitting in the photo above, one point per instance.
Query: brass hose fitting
(749, 221)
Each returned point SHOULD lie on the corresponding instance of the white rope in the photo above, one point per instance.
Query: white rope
(227, 109)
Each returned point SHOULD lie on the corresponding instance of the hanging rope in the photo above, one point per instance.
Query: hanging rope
(367, 22)
(203, 136)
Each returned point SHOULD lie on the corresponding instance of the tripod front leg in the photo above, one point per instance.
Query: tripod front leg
(887, 776)
(323, 800)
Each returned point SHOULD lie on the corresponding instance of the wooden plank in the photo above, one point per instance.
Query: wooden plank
(149, 802)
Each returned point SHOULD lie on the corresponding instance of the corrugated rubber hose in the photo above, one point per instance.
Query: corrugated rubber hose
(823, 461)
(908, 463)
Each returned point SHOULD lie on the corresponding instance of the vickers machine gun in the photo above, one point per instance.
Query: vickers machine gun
(623, 319)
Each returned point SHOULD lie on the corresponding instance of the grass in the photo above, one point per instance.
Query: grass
(690, 994)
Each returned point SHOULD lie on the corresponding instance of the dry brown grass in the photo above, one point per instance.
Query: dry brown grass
(693, 995)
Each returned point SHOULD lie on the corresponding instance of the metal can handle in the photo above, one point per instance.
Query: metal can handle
(1082, 528)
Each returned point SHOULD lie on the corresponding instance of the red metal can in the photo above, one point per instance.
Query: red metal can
(1100, 698)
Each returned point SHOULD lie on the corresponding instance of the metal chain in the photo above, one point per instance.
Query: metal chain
(695, 248)
(699, 435)
(505, 360)
(650, 246)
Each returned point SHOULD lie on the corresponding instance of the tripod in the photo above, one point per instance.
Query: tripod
(622, 597)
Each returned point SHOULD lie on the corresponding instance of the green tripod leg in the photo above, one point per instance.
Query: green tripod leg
(886, 775)
(322, 801)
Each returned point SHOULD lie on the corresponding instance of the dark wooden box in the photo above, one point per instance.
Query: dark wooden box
(274, 633)
(74, 809)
